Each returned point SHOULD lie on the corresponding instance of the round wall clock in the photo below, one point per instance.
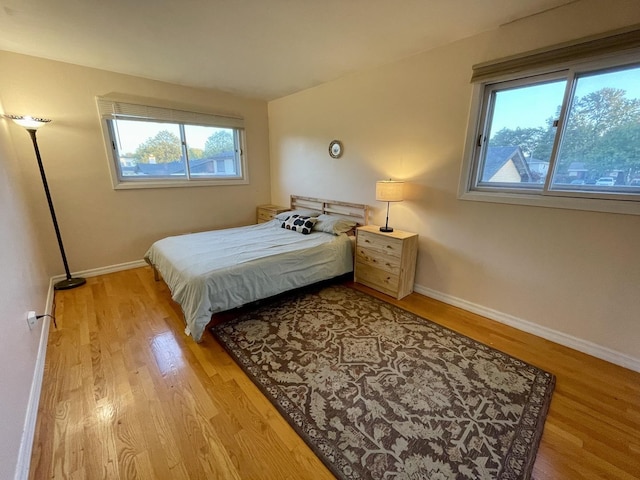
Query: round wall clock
(335, 149)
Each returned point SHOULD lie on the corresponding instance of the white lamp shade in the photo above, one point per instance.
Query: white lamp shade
(389, 191)
(28, 122)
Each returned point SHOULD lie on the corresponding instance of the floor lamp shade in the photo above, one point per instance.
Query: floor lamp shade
(31, 124)
(389, 191)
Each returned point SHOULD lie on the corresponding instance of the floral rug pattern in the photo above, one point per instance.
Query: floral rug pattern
(379, 393)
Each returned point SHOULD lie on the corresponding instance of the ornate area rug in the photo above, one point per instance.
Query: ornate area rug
(379, 393)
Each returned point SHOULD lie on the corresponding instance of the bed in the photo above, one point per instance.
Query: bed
(214, 271)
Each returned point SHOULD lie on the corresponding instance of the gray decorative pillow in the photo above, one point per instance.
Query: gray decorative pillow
(299, 223)
(333, 224)
(305, 213)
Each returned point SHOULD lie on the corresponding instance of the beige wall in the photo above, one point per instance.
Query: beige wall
(23, 287)
(101, 226)
(574, 272)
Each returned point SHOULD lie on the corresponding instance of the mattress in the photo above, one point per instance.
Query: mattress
(214, 271)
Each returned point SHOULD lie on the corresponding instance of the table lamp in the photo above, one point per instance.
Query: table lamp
(388, 191)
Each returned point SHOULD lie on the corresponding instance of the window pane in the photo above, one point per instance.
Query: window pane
(521, 134)
(149, 149)
(600, 148)
(212, 151)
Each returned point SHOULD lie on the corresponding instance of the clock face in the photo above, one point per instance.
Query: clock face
(335, 149)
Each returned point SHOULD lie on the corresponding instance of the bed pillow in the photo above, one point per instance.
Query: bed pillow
(305, 213)
(333, 224)
(299, 223)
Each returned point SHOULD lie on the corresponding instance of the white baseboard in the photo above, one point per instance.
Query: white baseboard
(94, 272)
(29, 430)
(28, 434)
(564, 339)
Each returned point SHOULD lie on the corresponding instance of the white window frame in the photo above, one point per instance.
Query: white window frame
(114, 109)
(547, 196)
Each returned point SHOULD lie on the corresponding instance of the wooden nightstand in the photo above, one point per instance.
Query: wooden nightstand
(386, 261)
(264, 213)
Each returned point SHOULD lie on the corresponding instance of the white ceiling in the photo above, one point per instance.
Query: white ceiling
(257, 48)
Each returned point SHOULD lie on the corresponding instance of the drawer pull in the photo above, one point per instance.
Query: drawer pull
(366, 241)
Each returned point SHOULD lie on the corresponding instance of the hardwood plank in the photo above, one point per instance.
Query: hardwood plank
(127, 395)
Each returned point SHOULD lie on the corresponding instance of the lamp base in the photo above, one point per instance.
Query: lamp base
(69, 283)
(386, 229)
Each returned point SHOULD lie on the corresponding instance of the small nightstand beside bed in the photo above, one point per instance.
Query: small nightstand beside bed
(214, 271)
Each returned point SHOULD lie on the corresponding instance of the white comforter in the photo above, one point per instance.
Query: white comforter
(215, 271)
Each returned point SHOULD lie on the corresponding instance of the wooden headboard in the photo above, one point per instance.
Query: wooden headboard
(354, 211)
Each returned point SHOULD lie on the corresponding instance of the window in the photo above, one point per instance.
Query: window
(159, 147)
(562, 136)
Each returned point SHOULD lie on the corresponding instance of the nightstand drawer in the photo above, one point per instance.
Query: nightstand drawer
(380, 244)
(377, 278)
(265, 216)
(371, 257)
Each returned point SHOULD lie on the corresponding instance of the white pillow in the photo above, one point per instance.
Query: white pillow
(333, 224)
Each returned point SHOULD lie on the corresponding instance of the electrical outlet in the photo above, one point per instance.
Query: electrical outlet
(32, 319)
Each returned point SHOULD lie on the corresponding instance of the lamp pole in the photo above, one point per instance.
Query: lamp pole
(386, 227)
(31, 125)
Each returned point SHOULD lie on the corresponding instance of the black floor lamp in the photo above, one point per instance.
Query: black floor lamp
(32, 124)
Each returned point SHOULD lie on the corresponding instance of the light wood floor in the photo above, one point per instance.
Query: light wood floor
(126, 395)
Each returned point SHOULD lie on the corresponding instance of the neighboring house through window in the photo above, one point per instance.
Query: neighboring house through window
(505, 165)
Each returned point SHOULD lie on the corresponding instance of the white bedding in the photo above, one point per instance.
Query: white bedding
(214, 271)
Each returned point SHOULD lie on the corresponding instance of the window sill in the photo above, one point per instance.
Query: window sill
(549, 201)
(132, 185)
